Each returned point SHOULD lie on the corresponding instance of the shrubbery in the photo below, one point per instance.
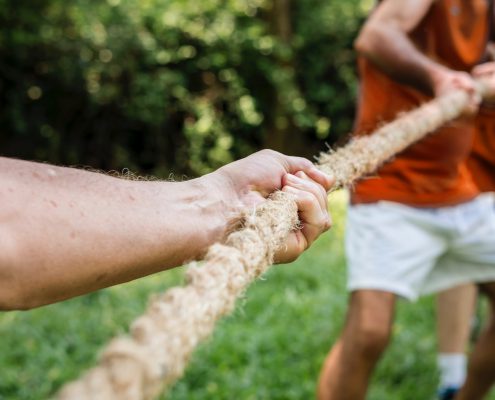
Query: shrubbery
(179, 85)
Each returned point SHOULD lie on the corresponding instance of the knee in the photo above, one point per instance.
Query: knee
(371, 339)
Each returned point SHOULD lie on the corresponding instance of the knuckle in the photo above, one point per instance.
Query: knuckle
(269, 152)
(327, 223)
(308, 199)
(303, 162)
(306, 163)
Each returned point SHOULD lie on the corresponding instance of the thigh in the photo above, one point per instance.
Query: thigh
(471, 253)
(475, 242)
(391, 247)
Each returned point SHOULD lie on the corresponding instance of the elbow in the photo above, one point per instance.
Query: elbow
(364, 43)
(361, 44)
(369, 40)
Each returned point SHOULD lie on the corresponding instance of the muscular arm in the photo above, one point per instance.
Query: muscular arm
(65, 232)
(384, 39)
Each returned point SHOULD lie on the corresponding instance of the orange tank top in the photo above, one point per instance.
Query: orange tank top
(481, 162)
(433, 171)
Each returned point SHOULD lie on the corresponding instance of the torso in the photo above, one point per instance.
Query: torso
(431, 172)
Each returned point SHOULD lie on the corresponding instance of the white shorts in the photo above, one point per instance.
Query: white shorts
(411, 251)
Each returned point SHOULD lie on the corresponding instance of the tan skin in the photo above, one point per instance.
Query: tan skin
(481, 368)
(486, 71)
(384, 40)
(65, 232)
(455, 309)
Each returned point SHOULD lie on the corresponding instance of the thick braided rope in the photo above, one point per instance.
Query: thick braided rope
(163, 338)
(364, 154)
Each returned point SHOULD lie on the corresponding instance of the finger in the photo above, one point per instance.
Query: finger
(484, 69)
(474, 103)
(308, 207)
(294, 245)
(322, 190)
(322, 178)
(465, 82)
(294, 164)
(314, 219)
(305, 185)
(317, 189)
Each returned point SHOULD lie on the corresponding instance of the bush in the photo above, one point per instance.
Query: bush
(176, 85)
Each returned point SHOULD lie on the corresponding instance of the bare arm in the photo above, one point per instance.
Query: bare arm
(65, 232)
(486, 72)
(384, 39)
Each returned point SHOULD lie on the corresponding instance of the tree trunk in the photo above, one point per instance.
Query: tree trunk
(282, 135)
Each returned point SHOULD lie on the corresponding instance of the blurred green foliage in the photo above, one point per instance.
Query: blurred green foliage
(177, 85)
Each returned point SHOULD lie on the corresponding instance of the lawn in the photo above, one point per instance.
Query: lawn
(271, 348)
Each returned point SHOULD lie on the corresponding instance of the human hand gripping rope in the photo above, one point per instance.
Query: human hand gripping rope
(162, 340)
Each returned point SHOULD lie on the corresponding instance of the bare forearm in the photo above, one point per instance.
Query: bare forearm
(394, 53)
(65, 232)
(385, 40)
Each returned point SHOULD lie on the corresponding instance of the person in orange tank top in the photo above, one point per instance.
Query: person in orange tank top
(419, 225)
(481, 162)
(455, 306)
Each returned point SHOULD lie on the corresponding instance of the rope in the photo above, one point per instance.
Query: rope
(161, 341)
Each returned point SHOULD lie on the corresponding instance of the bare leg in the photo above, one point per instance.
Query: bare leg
(455, 308)
(348, 366)
(481, 369)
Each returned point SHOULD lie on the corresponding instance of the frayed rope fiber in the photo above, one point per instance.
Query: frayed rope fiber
(161, 341)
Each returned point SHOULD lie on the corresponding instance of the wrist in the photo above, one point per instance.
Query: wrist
(192, 214)
(215, 205)
(437, 75)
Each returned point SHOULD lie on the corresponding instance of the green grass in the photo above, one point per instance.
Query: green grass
(271, 348)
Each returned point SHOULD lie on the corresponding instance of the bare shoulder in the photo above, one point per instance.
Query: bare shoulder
(404, 14)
